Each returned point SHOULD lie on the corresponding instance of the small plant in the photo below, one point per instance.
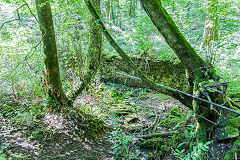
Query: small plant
(2, 148)
(120, 140)
(196, 154)
(9, 112)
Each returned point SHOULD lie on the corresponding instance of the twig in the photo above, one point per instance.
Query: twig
(163, 134)
(18, 15)
(17, 19)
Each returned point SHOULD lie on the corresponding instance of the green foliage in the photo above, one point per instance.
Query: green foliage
(176, 118)
(155, 143)
(39, 135)
(120, 140)
(9, 112)
(3, 147)
(196, 154)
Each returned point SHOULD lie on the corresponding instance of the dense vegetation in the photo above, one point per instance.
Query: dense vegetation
(58, 100)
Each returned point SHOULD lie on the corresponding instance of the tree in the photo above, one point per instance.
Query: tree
(211, 24)
(94, 52)
(52, 76)
(199, 72)
(53, 82)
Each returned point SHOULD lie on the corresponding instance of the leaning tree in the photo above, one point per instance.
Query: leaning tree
(200, 74)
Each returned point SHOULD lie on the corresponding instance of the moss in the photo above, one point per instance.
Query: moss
(9, 112)
(90, 157)
(235, 122)
(237, 142)
(27, 133)
(175, 111)
(155, 143)
(38, 135)
(39, 115)
(228, 132)
(151, 157)
(165, 148)
(56, 157)
(122, 112)
(232, 132)
(1, 107)
(166, 122)
(130, 119)
(176, 139)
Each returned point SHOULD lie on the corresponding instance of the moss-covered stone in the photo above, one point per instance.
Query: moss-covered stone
(130, 119)
(164, 148)
(164, 72)
(166, 122)
(9, 112)
(232, 132)
(155, 143)
(235, 122)
(237, 142)
(228, 132)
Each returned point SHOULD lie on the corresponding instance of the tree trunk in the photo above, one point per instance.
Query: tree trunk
(132, 8)
(199, 70)
(211, 25)
(53, 82)
(151, 84)
(94, 52)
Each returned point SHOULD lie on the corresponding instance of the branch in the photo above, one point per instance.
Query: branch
(17, 19)
(151, 84)
(18, 15)
(162, 134)
(25, 3)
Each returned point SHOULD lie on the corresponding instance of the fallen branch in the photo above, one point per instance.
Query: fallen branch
(162, 134)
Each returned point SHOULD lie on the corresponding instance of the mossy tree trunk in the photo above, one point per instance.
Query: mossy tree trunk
(198, 69)
(94, 51)
(53, 82)
(150, 83)
(109, 10)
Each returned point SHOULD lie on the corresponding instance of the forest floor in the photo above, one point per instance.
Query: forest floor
(33, 135)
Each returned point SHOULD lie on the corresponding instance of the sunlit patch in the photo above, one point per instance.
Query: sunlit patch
(54, 121)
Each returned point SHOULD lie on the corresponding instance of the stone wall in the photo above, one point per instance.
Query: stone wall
(163, 72)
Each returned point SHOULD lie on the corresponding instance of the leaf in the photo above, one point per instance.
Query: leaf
(209, 142)
(181, 144)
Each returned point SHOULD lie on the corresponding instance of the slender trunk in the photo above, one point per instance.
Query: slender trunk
(211, 25)
(199, 70)
(94, 52)
(132, 8)
(53, 82)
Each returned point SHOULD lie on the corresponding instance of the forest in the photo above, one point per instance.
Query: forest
(120, 80)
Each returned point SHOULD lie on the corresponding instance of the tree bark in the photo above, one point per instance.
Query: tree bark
(151, 84)
(211, 25)
(198, 69)
(53, 82)
(94, 51)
